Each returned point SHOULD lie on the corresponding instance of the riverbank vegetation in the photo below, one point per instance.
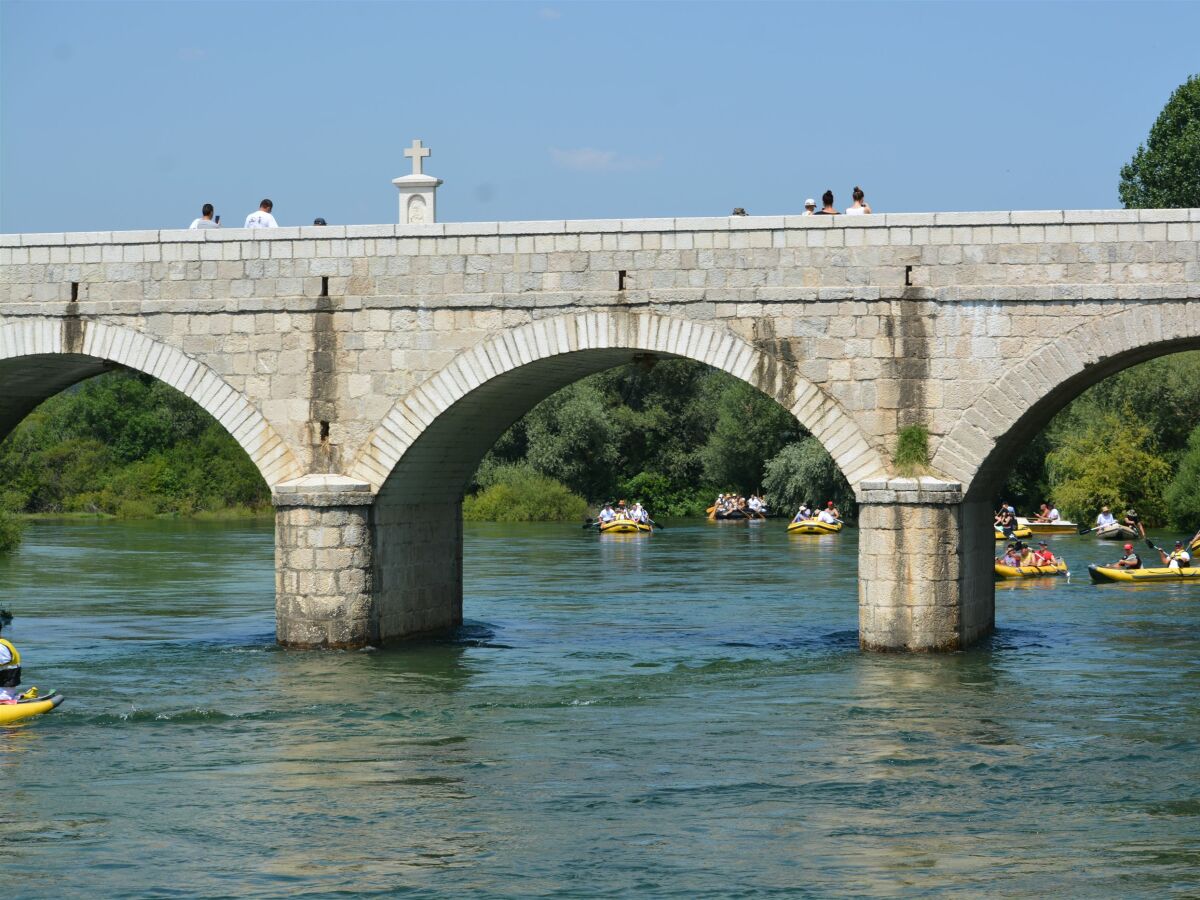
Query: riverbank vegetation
(126, 445)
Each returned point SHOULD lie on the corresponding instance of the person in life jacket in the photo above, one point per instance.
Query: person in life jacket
(1178, 558)
(10, 664)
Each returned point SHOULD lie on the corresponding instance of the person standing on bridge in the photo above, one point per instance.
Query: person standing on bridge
(827, 210)
(206, 219)
(860, 207)
(262, 218)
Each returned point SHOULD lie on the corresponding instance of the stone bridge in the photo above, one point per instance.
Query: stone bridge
(367, 369)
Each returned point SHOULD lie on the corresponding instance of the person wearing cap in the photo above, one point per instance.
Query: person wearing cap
(810, 207)
(1011, 557)
(1028, 557)
(829, 515)
(1178, 558)
(1134, 521)
(1129, 561)
(1043, 556)
(318, 221)
(1105, 517)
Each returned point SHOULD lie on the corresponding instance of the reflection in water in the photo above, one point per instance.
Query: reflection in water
(685, 714)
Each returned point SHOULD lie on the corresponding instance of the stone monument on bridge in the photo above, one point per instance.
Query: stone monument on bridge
(418, 191)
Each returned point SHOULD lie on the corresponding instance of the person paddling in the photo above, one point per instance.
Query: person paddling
(1178, 558)
(1129, 561)
(10, 665)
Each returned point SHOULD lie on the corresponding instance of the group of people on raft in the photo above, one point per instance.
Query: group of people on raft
(1006, 517)
(636, 513)
(1019, 554)
(1130, 520)
(829, 515)
(1179, 558)
(727, 503)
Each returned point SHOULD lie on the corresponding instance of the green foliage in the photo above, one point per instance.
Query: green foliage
(656, 493)
(1183, 494)
(749, 429)
(11, 529)
(673, 435)
(1113, 461)
(517, 493)
(804, 471)
(128, 445)
(912, 450)
(1165, 171)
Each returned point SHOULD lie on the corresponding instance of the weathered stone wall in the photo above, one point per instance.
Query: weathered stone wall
(341, 324)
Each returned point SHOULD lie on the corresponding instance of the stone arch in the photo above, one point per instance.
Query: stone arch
(431, 430)
(40, 357)
(983, 442)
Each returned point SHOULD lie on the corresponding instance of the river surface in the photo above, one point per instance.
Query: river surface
(686, 715)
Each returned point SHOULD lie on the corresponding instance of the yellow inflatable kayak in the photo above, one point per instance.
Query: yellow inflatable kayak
(1003, 571)
(814, 526)
(1021, 532)
(1102, 574)
(24, 709)
(624, 526)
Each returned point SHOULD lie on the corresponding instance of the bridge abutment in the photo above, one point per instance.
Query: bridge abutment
(925, 574)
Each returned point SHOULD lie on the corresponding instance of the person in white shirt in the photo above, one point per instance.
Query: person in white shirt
(826, 515)
(10, 665)
(1105, 517)
(1053, 515)
(262, 217)
(810, 207)
(1178, 558)
(606, 515)
(206, 219)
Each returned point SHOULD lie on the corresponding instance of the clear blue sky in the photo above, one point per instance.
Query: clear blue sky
(131, 115)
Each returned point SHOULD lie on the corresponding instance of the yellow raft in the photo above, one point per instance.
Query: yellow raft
(1003, 571)
(814, 526)
(1021, 532)
(624, 526)
(25, 709)
(1102, 574)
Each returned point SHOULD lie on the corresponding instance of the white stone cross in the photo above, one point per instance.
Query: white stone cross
(418, 153)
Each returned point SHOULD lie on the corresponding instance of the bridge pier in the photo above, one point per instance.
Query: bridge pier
(324, 583)
(924, 567)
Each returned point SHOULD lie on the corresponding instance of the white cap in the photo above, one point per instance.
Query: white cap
(810, 202)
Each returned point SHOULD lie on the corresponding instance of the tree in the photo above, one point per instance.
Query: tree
(1183, 496)
(749, 429)
(805, 471)
(1111, 461)
(1165, 171)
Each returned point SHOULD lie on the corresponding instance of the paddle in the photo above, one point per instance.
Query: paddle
(590, 523)
(656, 525)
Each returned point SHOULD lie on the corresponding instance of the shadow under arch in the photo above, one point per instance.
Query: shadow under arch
(983, 443)
(39, 357)
(431, 441)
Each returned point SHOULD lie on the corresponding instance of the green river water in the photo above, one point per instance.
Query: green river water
(686, 715)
